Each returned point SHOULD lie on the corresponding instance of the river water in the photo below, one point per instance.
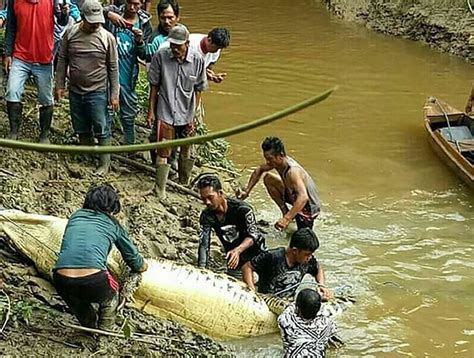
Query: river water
(397, 225)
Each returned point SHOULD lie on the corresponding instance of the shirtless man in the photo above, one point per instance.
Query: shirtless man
(292, 185)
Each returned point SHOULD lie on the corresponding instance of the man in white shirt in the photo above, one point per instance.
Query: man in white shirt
(210, 46)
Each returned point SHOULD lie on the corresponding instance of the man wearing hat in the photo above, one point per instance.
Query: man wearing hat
(177, 77)
(303, 331)
(90, 53)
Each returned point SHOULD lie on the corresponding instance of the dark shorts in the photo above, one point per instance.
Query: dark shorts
(164, 131)
(303, 219)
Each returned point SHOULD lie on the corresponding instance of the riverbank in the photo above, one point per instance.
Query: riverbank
(56, 185)
(447, 26)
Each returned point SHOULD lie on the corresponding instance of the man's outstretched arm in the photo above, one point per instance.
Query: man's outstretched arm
(253, 180)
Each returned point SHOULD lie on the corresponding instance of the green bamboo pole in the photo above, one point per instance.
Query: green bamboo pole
(76, 149)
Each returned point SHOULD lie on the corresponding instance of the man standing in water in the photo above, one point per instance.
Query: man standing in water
(292, 185)
(234, 223)
(281, 269)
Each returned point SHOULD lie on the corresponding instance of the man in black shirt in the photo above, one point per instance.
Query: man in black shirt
(234, 223)
(281, 270)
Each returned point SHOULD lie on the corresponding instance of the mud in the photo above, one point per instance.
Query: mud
(445, 26)
(56, 185)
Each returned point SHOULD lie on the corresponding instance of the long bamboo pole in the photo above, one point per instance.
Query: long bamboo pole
(74, 149)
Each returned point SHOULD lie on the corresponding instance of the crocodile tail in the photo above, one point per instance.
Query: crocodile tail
(276, 304)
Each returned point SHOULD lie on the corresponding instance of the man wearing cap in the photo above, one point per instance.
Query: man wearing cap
(177, 77)
(90, 53)
(280, 270)
(209, 46)
(29, 52)
(304, 333)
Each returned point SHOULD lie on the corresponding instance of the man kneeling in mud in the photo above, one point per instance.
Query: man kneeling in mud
(80, 274)
(234, 223)
(280, 270)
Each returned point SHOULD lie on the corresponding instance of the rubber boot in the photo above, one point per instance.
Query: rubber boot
(45, 118)
(153, 156)
(162, 172)
(173, 159)
(86, 139)
(14, 110)
(107, 314)
(103, 158)
(185, 168)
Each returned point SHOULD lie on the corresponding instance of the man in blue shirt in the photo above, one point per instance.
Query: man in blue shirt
(131, 36)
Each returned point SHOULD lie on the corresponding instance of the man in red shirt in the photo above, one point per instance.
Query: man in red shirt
(29, 52)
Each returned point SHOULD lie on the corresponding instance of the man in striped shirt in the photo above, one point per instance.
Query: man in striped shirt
(303, 331)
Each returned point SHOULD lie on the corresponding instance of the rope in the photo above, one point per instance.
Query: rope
(74, 149)
(470, 6)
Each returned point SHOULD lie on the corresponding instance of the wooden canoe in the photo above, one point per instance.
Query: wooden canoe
(451, 134)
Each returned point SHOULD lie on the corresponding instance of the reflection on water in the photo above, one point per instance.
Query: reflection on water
(396, 224)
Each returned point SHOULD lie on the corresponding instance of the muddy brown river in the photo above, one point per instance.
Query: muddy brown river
(397, 229)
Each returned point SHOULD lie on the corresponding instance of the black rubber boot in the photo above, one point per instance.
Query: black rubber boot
(46, 118)
(104, 166)
(86, 139)
(14, 110)
(153, 156)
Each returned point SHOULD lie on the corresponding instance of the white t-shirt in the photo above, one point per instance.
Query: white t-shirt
(195, 43)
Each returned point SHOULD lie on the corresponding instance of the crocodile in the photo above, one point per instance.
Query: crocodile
(210, 303)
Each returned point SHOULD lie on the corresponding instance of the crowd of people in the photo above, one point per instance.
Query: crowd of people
(293, 272)
(93, 54)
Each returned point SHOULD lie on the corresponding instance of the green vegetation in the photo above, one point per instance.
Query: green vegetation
(22, 311)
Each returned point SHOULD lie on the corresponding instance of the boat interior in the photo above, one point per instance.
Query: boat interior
(458, 131)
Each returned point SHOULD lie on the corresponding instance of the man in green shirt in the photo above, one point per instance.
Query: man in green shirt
(80, 274)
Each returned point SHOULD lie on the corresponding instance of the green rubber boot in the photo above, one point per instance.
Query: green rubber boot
(107, 314)
(104, 159)
(185, 168)
(162, 172)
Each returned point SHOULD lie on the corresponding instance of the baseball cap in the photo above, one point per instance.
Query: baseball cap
(307, 283)
(178, 35)
(93, 12)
